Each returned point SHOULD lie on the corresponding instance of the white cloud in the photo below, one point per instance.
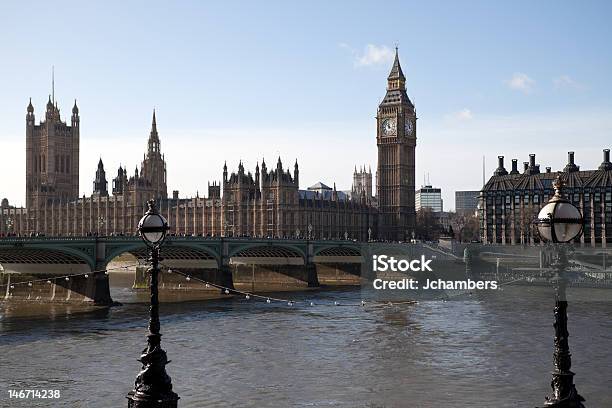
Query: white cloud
(520, 82)
(464, 114)
(374, 55)
(567, 82)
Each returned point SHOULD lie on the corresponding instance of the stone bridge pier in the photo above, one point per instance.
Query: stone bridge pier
(51, 276)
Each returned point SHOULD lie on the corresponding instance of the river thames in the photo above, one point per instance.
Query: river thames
(490, 350)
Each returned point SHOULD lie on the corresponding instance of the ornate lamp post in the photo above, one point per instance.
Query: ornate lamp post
(101, 223)
(9, 226)
(153, 386)
(559, 222)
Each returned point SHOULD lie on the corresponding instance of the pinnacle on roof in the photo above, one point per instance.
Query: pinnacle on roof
(154, 123)
(396, 69)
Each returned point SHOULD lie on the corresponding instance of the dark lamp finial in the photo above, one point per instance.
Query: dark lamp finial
(558, 185)
(152, 207)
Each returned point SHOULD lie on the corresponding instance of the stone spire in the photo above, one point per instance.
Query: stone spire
(396, 70)
(153, 144)
(100, 185)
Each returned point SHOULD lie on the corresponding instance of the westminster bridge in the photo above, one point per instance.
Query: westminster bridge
(73, 268)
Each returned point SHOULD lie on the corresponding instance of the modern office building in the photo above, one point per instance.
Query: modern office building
(429, 197)
(466, 202)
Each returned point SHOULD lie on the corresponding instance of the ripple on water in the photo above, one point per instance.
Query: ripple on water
(251, 354)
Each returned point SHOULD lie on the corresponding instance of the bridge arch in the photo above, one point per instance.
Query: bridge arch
(338, 250)
(175, 251)
(267, 250)
(44, 256)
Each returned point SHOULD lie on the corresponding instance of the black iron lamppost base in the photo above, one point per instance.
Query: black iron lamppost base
(572, 401)
(564, 381)
(144, 401)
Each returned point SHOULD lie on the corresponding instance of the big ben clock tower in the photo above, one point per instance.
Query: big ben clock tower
(395, 175)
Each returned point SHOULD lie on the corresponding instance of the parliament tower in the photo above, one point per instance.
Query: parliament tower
(52, 157)
(395, 175)
(153, 166)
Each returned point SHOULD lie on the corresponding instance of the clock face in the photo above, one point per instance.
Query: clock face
(389, 126)
(408, 127)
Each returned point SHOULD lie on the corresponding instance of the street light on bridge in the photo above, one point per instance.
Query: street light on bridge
(153, 386)
(9, 225)
(101, 223)
(559, 222)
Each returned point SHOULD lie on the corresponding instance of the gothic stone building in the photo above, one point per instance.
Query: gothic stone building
(511, 201)
(395, 174)
(268, 203)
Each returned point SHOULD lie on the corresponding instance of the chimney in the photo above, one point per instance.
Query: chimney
(500, 171)
(175, 194)
(514, 166)
(525, 166)
(548, 169)
(571, 166)
(532, 160)
(532, 168)
(606, 165)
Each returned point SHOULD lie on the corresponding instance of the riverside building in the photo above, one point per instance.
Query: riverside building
(510, 201)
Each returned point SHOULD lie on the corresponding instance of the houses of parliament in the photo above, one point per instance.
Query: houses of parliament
(265, 203)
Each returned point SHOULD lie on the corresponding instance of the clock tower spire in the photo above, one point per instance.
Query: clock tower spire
(395, 175)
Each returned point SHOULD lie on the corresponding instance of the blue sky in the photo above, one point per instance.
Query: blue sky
(242, 80)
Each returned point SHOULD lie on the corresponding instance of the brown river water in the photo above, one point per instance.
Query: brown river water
(491, 350)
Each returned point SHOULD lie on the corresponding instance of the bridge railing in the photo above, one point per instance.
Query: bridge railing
(170, 238)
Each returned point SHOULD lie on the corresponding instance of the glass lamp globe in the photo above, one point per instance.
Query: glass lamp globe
(559, 220)
(153, 226)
